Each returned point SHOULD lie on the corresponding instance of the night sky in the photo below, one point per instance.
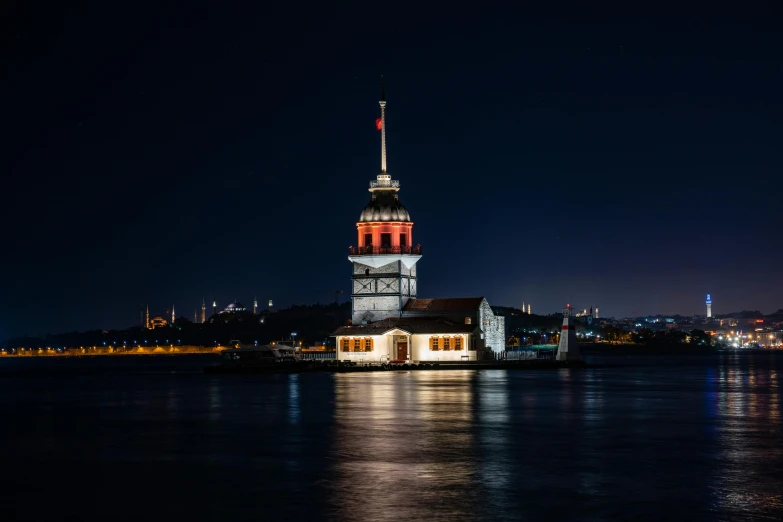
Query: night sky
(629, 159)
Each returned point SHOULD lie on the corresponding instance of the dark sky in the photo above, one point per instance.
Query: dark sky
(629, 159)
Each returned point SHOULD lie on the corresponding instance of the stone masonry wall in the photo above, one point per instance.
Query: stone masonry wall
(494, 328)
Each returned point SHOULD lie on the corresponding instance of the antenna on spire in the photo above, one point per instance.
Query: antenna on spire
(382, 103)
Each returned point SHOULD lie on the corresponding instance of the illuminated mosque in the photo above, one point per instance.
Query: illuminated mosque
(389, 320)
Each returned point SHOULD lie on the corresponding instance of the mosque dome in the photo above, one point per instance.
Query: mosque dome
(234, 307)
(384, 206)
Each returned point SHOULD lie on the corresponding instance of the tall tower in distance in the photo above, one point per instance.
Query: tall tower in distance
(384, 262)
(270, 304)
(203, 311)
(147, 321)
(709, 306)
(214, 306)
(255, 305)
(172, 315)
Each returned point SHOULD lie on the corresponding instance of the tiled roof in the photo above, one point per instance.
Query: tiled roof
(449, 304)
(413, 325)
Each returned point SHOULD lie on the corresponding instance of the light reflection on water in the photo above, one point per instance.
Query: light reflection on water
(687, 438)
(747, 477)
(402, 441)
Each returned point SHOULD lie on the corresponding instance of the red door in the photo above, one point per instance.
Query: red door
(402, 351)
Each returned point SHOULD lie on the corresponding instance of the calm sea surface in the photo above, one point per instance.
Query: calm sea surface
(154, 438)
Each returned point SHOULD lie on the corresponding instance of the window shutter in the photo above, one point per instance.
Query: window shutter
(452, 343)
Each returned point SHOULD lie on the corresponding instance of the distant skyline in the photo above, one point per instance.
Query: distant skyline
(626, 160)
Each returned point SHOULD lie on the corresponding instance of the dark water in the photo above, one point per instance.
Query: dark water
(682, 438)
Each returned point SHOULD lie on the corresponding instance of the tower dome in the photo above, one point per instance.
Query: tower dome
(384, 206)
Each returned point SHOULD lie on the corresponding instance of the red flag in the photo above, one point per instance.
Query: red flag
(378, 123)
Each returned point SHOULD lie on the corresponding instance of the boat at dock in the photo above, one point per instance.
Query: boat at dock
(253, 359)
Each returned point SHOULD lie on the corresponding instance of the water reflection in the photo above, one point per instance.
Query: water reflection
(403, 445)
(748, 436)
(294, 408)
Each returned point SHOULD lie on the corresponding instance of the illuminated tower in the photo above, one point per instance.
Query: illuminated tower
(596, 312)
(270, 304)
(709, 306)
(214, 306)
(528, 309)
(195, 316)
(172, 315)
(147, 322)
(523, 307)
(255, 305)
(384, 262)
(203, 311)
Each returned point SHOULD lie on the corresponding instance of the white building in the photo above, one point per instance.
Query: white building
(389, 322)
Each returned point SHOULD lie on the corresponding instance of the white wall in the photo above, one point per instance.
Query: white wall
(421, 350)
(381, 347)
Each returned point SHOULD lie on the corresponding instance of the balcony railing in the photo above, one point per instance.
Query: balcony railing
(383, 183)
(372, 250)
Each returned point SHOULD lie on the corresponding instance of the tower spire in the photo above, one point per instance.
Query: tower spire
(147, 322)
(172, 315)
(382, 103)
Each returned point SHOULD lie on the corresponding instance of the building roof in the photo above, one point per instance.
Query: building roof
(384, 206)
(412, 325)
(449, 304)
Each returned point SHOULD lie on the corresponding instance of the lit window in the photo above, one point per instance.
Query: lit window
(346, 345)
(457, 343)
(435, 343)
(468, 320)
(357, 345)
(368, 345)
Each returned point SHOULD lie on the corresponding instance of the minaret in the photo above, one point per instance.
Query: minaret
(270, 304)
(203, 311)
(195, 316)
(214, 306)
(384, 261)
(596, 312)
(172, 315)
(709, 306)
(523, 307)
(255, 305)
(147, 322)
(528, 309)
